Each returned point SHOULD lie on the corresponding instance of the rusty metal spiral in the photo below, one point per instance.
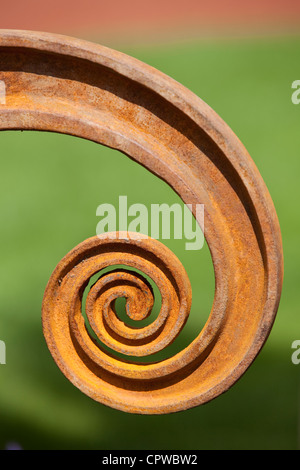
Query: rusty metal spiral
(65, 327)
(60, 84)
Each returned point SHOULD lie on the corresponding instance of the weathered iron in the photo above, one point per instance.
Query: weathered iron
(60, 84)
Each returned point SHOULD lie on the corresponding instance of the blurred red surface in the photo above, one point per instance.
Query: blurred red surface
(98, 16)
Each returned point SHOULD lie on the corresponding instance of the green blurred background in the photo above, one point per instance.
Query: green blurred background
(50, 188)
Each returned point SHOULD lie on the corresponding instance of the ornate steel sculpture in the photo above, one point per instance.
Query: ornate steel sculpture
(55, 83)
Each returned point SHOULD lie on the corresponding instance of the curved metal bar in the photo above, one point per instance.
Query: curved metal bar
(60, 84)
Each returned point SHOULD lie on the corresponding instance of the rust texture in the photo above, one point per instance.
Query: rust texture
(61, 84)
